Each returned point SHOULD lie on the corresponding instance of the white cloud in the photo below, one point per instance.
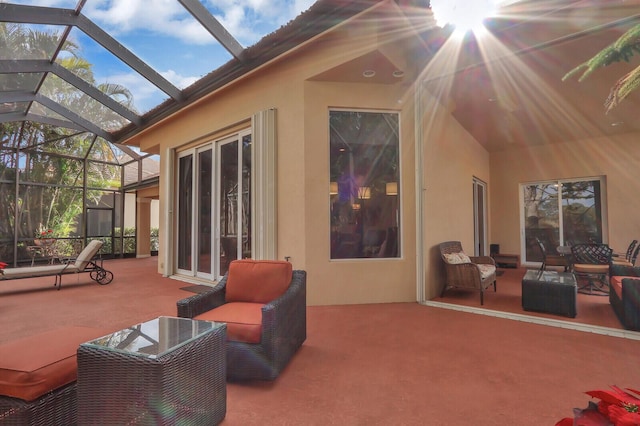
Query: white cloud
(245, 20)
(179, 80)
(165, 17)
(145, 94)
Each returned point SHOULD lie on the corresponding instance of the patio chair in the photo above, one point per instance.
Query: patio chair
(85, 262)
(462, 271)
(629, 259)
(264, 304)
(591, 262)
(552, 259)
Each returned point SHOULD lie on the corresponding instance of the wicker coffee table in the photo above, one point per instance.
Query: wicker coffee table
(166, 371)
(549, 291)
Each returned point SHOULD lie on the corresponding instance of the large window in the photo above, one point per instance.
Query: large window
(562, 212)
(364, 184)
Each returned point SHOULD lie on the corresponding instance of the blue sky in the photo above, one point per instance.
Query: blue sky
(168, 38)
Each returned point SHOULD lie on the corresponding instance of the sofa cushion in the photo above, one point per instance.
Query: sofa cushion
(616, 284)
(37, 364)
(244, 320)
(257, 281)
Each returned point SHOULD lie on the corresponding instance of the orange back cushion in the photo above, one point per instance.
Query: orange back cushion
(257, 281)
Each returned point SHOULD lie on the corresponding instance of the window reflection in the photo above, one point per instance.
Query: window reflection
(364, 184)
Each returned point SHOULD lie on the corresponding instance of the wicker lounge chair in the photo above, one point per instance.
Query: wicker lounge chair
(263, 331)
(85, 262)
(462, 271)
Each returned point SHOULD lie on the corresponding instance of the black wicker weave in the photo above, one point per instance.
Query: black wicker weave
(591, 262)
(284, 329)
(53, 409)
(465, 275)
(185, 386)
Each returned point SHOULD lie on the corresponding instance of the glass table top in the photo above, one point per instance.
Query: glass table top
(156, 337)
(566, 278)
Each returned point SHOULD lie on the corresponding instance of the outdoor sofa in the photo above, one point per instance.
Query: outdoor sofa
(624, 294)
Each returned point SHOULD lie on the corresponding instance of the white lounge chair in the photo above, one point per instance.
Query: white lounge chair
(85, 262)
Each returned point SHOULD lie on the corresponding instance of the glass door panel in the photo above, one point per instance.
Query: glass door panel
(541, 219)
(205, 217)
(185, 203)
(228, 204)
(480, 220)
(246, 196)
(581, 212)
(562, 213)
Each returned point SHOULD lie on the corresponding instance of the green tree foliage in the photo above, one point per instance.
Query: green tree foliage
(50, 160)
(622, 49)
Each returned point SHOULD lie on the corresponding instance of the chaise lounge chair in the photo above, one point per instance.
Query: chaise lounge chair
(85, 262)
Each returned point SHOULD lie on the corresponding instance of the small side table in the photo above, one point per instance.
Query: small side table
(166, 371)
(503, 259)
(549, 291)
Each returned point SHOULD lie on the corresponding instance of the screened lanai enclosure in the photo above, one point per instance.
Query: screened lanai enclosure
(60, 188)
(75, 84)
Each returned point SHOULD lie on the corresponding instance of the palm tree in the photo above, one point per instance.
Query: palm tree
(55, 205)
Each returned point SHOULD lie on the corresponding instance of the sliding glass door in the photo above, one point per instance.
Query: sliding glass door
(480, 217)
(562, 212)
(213, 204)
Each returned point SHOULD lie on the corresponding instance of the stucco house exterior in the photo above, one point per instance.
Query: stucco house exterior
(337, 151)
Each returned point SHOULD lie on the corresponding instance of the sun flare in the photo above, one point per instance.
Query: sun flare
(465, 15)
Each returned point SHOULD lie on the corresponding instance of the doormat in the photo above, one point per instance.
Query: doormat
(197, 288)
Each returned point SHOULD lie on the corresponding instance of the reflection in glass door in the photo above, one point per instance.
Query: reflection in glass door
(234, 201)
(562, 213)
(185, 207)
(205, 185)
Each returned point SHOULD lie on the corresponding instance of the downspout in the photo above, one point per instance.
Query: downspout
(419, 192)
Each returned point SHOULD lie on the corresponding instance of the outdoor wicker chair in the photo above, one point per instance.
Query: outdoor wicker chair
(264, 304)
(465, 272)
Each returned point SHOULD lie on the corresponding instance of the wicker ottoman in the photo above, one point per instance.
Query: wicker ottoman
(550, 292)
(38, 377)
(167, 371)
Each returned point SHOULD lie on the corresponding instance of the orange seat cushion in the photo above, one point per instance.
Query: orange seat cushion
(244, 320)
(616, 284)
(257, 281)
(38, 364)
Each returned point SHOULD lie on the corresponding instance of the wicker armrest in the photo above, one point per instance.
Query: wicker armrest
(281, 311)
(284, 320)
(488, 260)
(623, 270)
(202, 302)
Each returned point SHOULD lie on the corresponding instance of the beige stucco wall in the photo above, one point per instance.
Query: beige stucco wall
(618, 159)
(303, 164)
(292, 87)
(452, 158)
(358, 280)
